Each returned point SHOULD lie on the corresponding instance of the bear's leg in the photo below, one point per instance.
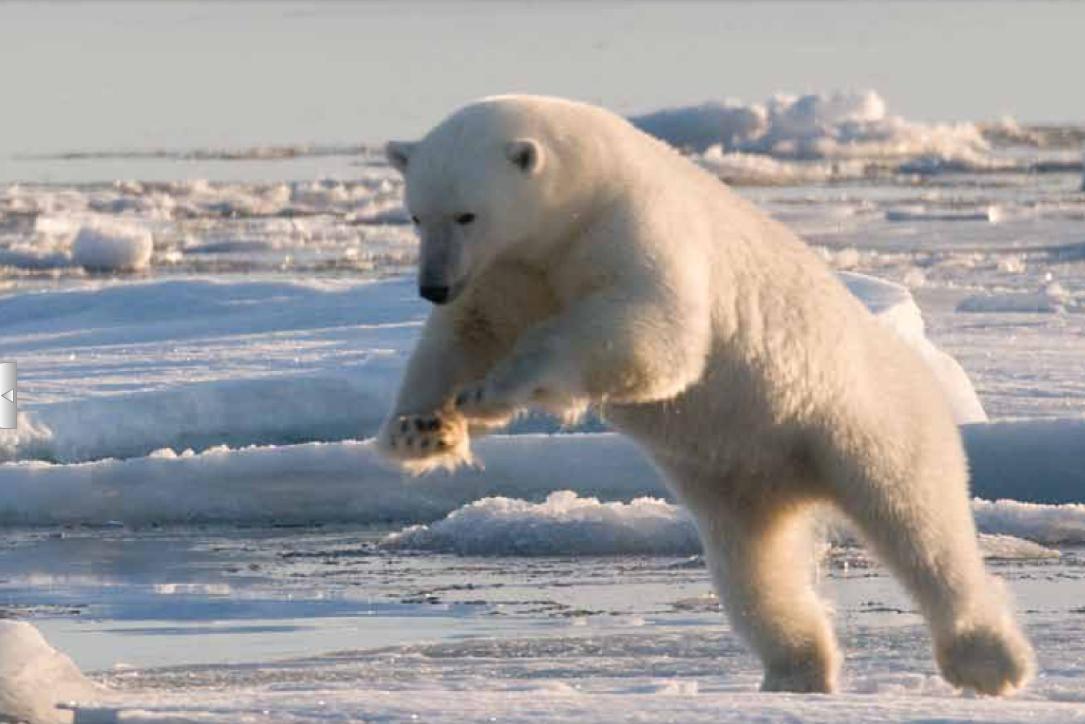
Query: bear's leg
(762, 563)
(924, 532)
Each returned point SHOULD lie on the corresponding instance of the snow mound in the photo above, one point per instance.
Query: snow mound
(564, 524)
(567, 524)
(35, 677)
(1037, 522)
(751, 169)
(839, 125)
(1003, 547)
(893, 305)
(112, 245)
(729, 124)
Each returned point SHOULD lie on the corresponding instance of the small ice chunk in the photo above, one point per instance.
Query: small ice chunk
(35, 677)
(112, 245)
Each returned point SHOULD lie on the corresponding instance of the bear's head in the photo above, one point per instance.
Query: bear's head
(482, 184)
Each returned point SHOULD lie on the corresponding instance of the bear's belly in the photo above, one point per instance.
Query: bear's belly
(744, 441)
(732, 430)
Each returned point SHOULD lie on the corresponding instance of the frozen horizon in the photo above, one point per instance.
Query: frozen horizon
(125, 75)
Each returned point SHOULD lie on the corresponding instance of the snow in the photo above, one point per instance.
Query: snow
(348, 482)
(563, 524)
(212, 537)
(120, 370)
(364, 633)
(725, 124)
(894, 306)
(566, 524)
(1043, 523)
(1052, 298)
(1011, 548)
(751, 169)
(227, 226)
(313, 482)
(112, 246)
(35, 677)
(254, 362)
(270, 381)
(837, 125)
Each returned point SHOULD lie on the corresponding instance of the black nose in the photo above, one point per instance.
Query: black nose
(437, 295)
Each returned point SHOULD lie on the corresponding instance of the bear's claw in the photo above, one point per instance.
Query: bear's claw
(410, 439)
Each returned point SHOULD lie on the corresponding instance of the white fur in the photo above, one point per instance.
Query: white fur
(610, 271)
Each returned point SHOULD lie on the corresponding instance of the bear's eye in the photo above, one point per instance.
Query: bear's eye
(414, 220)
(464, 219)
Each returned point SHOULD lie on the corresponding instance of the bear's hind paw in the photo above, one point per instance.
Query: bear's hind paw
(991, 660)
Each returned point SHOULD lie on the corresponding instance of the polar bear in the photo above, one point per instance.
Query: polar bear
(574, 261)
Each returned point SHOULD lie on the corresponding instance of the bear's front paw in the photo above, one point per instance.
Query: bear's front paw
(480, 403)
(421, 443)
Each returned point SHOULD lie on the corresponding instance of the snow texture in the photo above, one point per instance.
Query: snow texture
(35, 677)
(243, 363)
(568, 524)
(347, 482)
(563, 524)
(110, 245)
(833, 125)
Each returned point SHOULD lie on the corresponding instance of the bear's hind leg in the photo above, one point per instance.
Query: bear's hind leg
(924, 532)
(762, 563)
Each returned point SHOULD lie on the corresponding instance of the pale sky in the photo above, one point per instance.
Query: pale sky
(133, 75)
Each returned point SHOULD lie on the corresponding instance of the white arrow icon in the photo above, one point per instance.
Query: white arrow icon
(8, 413)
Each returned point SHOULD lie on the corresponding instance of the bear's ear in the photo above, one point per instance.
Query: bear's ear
(399, 153)
(526, 154)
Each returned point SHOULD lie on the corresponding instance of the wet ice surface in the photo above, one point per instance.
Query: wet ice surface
(227, 624)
